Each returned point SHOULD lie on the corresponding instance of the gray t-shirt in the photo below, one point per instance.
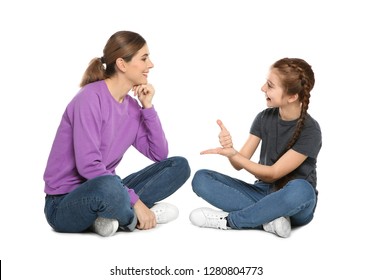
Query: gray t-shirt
(275, 134)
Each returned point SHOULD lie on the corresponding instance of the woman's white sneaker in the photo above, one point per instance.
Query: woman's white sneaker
(105, 227)
(164, 212)
(206, 217)
(280, 226)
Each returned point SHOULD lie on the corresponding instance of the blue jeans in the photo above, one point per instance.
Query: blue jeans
(106, 197)
(252, 205)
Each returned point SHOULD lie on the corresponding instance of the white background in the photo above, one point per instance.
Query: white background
(211, 58)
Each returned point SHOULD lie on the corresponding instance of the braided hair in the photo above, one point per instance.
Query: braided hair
(296, 77)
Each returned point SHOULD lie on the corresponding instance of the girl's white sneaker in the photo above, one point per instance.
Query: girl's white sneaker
(206, 217)
(280, 226)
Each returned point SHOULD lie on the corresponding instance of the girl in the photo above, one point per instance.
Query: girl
(100, 123)
(284, 193)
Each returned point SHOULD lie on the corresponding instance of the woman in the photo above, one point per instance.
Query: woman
(285, 193)
(98, 126)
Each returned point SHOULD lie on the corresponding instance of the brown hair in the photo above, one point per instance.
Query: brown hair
(122, 44)
(297, 77)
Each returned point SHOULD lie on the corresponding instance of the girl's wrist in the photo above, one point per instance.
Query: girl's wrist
(233, 154)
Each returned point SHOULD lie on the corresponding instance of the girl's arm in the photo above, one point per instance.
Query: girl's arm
(286, 164)
(246, 151)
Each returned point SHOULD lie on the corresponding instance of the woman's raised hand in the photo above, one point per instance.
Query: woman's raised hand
(145, 93)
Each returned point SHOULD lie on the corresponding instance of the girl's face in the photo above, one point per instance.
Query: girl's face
(138, 68)
(274, 93)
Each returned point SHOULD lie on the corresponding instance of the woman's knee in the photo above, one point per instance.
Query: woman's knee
(109, 189)
(181, 163)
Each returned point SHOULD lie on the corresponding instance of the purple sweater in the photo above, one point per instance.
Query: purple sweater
(94, 133)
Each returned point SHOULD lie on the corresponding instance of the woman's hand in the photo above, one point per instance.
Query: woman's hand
(146, 218)
(145, 93)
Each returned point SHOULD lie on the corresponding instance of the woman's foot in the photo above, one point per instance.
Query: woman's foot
(164, 212)
(105, 227)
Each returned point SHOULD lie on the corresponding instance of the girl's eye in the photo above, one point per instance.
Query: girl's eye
(269, 85)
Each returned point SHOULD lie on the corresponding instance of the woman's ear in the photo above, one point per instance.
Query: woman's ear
(121, 64)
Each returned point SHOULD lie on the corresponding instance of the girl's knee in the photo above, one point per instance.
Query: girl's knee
(300, 191)
(302, 186)
(198, 182)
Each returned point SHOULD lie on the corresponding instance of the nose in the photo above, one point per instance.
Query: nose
(150, 64)
(263, 88)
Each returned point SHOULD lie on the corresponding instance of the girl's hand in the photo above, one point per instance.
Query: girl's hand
(227, 152)
(224, 136)
(227, 148)
(145, 93)
(146, 218)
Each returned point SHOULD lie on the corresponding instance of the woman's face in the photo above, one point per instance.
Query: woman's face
(138, 68)
(273, 90)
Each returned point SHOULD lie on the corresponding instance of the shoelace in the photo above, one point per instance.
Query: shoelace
(216, 221)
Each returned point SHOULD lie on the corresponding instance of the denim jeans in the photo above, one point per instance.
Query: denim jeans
(252, 205)
(106, 197)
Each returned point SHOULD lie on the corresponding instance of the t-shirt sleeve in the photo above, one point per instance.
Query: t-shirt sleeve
(256, 125)
(310, 141)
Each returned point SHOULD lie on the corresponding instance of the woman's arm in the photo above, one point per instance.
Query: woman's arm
(151, 140)
(146, 218)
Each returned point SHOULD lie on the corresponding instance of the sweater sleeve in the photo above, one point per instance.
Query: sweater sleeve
(151, 140)
(132, 196)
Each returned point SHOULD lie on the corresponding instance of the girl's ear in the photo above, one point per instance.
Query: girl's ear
(293, 98)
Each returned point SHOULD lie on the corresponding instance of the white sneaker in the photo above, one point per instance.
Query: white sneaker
(105, 227)
(165, 212)
(280, 226)
(206, 217)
